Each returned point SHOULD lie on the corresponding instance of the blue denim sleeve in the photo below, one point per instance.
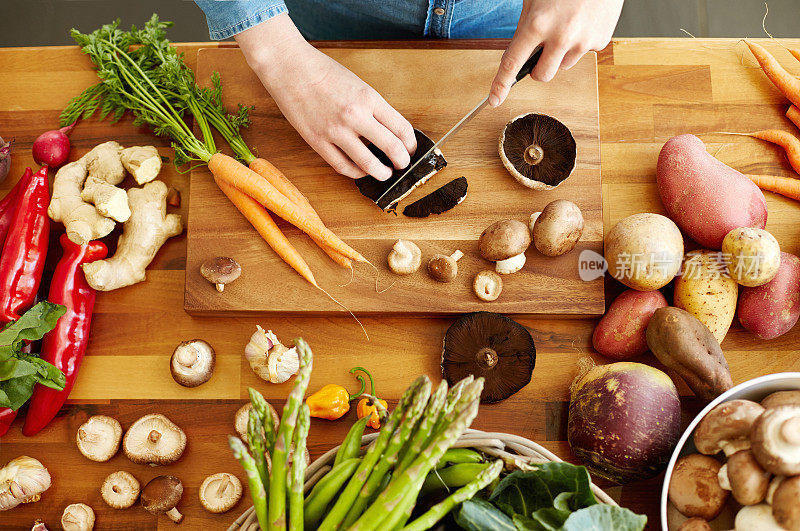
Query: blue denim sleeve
(226, 18)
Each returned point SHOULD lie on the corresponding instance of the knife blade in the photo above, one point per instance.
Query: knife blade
(526, 69)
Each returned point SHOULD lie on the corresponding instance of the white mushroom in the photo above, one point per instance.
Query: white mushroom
(405, 257)
(756, 518)
(154, 440)
(727, 427)
(22, 480)
(192, 363)
(98, 438)
(161, 496)
(220, 492)
(77, 517)
(487, 285)
(120, 490)
(775, 439)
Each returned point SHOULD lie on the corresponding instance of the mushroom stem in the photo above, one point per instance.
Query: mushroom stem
(220, 287)
(154, 436)
(790, 430)
(534, 154)
(174, 515)
(456, 256)
(224, 483)
(487, 357)
(187, 357)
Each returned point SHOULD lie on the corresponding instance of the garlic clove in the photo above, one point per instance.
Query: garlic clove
(22, 480)
(282, 363)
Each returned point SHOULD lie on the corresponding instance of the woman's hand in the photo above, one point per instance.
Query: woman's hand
(331, 108)
(567, 29)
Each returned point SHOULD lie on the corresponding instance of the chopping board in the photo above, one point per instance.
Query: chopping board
(433, 89)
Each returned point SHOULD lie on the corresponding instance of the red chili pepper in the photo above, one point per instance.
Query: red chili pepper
(65, 345)
(7, 416)
(25, 249)
(9, 203)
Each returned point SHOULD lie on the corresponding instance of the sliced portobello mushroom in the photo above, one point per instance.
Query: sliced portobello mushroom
(373, 188)
(439, 201)
(493, 346)
(538, 150)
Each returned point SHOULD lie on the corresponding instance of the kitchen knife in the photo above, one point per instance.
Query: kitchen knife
(526, 69)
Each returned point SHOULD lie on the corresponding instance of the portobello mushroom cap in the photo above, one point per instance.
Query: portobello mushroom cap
(538, 150)
(439, 201)
(373, 188)
(491, 346)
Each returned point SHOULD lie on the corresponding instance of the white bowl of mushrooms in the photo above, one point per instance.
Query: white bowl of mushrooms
(737, 465)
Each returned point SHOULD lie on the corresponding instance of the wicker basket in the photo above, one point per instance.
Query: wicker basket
(512, 448)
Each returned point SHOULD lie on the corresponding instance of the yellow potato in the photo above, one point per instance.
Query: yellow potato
(753, 255)
(705, 290)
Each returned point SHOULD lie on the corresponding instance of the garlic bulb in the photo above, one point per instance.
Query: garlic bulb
(269, 359)
(22, 480)
(282, 363)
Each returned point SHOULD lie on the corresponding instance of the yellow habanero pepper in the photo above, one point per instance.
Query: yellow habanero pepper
(366, 406)
(333, 401)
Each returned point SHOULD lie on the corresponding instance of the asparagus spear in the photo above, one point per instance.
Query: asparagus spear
(429, 419)
(255, 440)
(390, 455)
(257, 491)
(339, 510)
(277, 483)
(298, 471)
(261, 407)
(438, 511)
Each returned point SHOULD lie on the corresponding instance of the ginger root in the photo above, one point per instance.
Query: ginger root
(143, 162)
(143, 234)
(82, 220)
(105, 171)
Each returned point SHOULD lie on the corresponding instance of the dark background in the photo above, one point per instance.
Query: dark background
(47, 22)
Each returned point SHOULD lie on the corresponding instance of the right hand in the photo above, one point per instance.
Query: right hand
(331, 108)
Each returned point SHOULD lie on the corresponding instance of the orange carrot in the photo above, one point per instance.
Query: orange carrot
(783, 80)
(231, 171)
(277, 178)
(260, 219)
(794, 115)
(795, 53)
(786, 140)
(785, 186)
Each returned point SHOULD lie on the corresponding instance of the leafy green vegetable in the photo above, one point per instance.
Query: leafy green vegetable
(19, 371)
(604, 518)
(480, 515)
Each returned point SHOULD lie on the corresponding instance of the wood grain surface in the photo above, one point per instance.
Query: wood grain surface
(433, 90)
(649, 91)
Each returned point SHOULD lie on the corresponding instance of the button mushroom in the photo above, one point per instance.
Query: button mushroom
(487, 285)
(756, 518)
(694, 489)
(22, 480)
(242, 415)
(405, 257)
(154, 440)
(98, 438)
(786, 503)
(220, 492)
(77, 517)
(782, 398)
(505, 242)
(444, 268)
(775, 440)
(748, 481)
(694, 524)
(727, 427)
(161, 496)
(220, 271)
(192, 363)
(120, 490)
(558, 228)
(538, 151)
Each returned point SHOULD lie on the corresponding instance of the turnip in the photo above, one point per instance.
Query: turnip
(52, 148)
(5, 159)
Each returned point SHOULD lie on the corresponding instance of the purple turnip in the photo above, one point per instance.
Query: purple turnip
(5, 159)
(624, 420)
(52, 148)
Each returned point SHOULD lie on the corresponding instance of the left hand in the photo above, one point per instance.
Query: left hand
(567, 29)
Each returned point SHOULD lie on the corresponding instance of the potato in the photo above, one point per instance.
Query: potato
(620, 334)
(771, 310)
(706, 198)
(558, 228)
(705, 290)
(644, 251)
(686, 346)
(752, 255)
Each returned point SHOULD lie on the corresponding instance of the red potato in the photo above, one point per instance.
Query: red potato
(706, 198)
(620, 334)
(772, 309)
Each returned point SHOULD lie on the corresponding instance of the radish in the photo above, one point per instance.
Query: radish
(5, 159)
(52, 148)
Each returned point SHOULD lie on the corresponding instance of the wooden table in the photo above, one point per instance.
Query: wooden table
(650, 90)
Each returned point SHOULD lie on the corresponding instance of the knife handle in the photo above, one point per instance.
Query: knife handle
(527, 68)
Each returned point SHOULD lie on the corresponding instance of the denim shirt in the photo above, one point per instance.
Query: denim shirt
(369, 19)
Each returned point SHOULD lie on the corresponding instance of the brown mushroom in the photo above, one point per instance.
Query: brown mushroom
(220, 492)
(405, 257)
(786, 503)
(537, 150)
(694, 524)
(120, 490)
(558, 228)
(487, 285)
(443, 268)
(694, 489)
(782, 398)
(77, 517)
(775, 440)
(220, 271)
(154, 440)
(727, 427)
(505, 242)
(192, 363)
(748, 481)
(161, 496)
(98, 438)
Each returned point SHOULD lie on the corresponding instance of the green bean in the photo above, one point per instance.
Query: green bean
(452, 476)
(326, 489)
(351, 446)
(459, 455)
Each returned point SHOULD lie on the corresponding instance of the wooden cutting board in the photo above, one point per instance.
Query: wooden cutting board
(433, 89)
